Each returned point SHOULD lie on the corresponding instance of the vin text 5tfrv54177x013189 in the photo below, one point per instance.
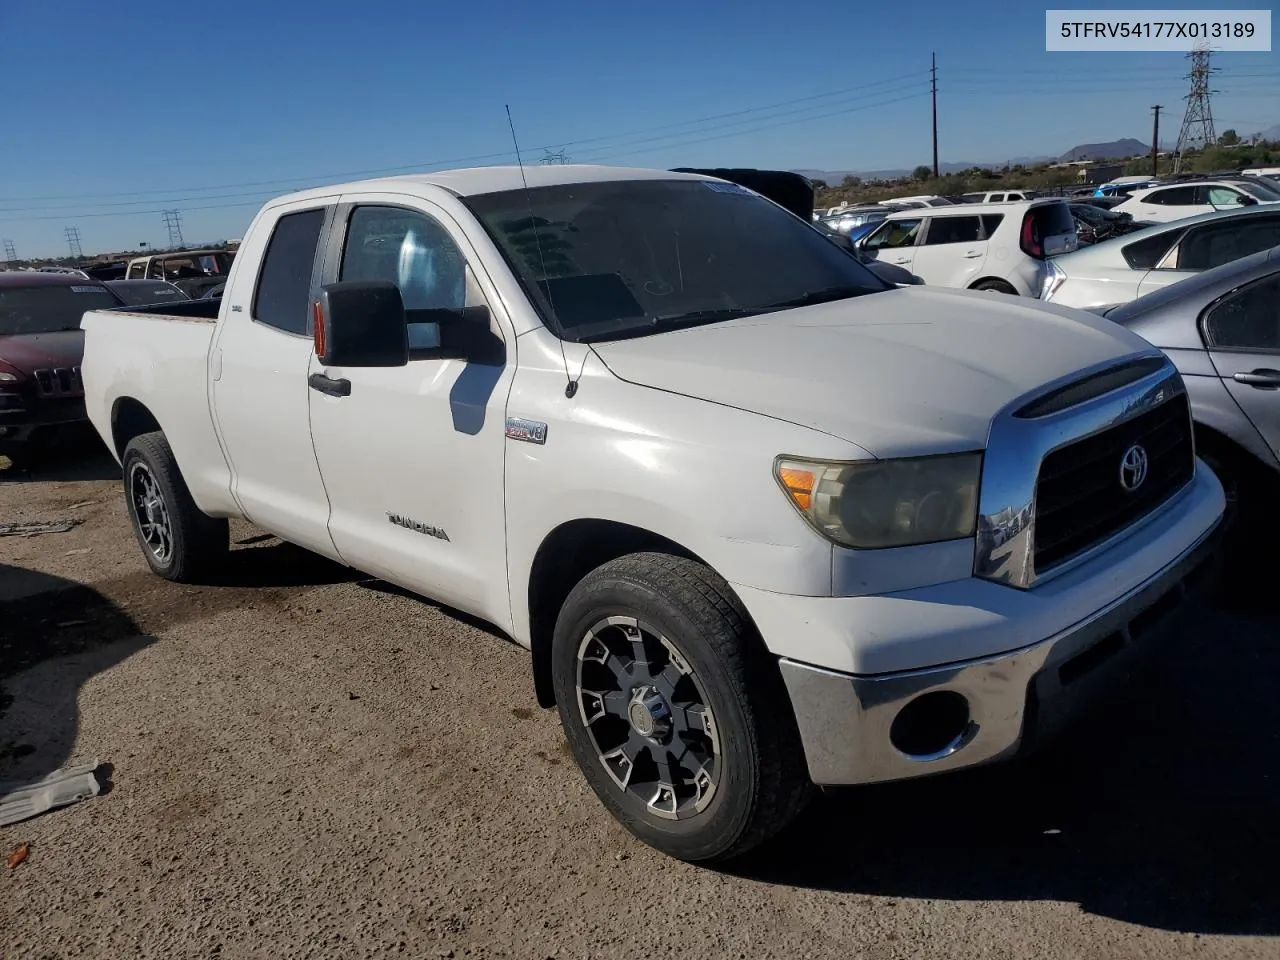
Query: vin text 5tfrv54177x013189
(763, 520)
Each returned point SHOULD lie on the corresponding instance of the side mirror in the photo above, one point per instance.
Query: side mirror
(1246, 201)
(463, 333)
(361, 323)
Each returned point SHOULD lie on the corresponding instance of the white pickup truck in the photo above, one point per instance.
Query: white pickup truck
(762, 520)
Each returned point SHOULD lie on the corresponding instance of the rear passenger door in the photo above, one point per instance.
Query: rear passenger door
(259, 377)
(1242, 334)
(952, 252)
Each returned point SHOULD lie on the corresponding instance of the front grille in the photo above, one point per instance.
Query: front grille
(1080, 499)
(59, 381)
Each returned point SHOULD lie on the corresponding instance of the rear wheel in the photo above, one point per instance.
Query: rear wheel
(178, 542)
(999, 286)
(677, 718)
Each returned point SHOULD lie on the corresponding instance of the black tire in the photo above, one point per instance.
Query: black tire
(196, 542)
(999, 286)
(758, 778)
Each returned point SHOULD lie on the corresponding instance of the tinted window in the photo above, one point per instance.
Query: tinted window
(141, 292)
(1053, 220)
(953, 230)
(627, 258)
(989, 223)
(996, 198)
(1215, 244)
(46, 309)
(894, 233)
(1248, 320)
(283, 299)
(1173, 197)
(1146, 253)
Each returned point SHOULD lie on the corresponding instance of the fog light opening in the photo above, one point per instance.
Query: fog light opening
(932, 726)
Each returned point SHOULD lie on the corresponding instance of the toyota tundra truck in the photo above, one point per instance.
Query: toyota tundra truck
(762, 520)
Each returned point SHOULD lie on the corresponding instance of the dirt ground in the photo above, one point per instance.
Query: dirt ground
(307, 763)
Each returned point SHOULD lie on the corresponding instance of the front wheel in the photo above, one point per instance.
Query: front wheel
(997, 286)
(677, 718)
(178, 542)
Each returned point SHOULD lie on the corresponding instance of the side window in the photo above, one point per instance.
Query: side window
(996, 198)
(1173, 197)
(1248, 320)
(157, 270)
(137, 271)
(414, 252)
(283, 297)
(894, 233)
(953, 230)
(1145, 254)
(1219, 196)
(989, 223)
(1215, 244)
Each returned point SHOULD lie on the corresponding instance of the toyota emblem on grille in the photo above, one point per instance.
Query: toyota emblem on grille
(1133, 468)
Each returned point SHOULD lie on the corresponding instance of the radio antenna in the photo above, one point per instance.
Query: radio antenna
(571, 385)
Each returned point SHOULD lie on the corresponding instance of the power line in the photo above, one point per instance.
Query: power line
(73, 241)
(475, 158)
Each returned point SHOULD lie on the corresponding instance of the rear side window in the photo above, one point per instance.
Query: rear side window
(283, 298)
(989, 223)
(1173, 197)
(953, 230)
(1249, 320)
(1145, 254)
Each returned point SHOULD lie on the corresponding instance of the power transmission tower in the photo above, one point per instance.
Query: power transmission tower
(173, 222)
(10, 252)
(73, 241)
(558, 156)
(1155, 140)
(933, 86)
(1197, 122)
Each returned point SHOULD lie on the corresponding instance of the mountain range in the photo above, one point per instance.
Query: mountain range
(1111, 150)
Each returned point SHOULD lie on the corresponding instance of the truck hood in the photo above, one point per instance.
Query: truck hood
(35, 351)
(914, 370)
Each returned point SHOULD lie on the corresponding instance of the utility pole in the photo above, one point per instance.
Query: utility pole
(933, 86)
(1155, 141)
(73, 242)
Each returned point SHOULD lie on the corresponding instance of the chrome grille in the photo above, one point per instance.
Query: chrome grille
(1081, 499)
(58, 381)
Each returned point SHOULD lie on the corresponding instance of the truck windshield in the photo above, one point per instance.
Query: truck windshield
(46, 309)
(627, 258)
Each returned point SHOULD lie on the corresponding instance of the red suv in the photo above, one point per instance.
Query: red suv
(41, 345)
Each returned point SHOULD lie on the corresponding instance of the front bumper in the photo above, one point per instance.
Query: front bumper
(1012, 700)
(19, 423)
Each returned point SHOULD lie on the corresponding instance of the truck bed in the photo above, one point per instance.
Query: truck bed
(158, 357)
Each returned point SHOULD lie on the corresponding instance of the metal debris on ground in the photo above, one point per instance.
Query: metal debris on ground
(22, 801)
(18, 854)
(34, 528)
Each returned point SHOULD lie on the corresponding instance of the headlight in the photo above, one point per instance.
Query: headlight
(873, 504)
(7, 377)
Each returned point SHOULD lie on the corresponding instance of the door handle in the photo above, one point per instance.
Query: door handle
(903, 260)
(973, 253)
(1262, 379)
(329, 386)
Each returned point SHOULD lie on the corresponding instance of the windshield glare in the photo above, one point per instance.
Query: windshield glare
(631, 257)
(49, 309)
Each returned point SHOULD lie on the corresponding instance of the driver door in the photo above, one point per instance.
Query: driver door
(412, 457)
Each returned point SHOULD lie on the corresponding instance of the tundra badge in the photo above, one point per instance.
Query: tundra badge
(417, 526)
(530, 431)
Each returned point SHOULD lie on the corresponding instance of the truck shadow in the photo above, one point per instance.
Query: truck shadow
(264, 561)
(57, 635)
(1159, 810)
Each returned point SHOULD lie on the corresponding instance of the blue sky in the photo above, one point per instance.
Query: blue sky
(115, 112)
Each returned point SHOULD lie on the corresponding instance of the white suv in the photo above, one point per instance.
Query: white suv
(976, 246)
(1178, 200)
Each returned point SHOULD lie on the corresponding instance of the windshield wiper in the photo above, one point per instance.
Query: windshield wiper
(674, 321)
(825, 295)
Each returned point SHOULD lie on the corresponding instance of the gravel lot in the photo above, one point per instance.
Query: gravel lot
(306, 763)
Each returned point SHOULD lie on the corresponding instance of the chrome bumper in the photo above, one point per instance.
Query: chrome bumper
(1014, 700)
